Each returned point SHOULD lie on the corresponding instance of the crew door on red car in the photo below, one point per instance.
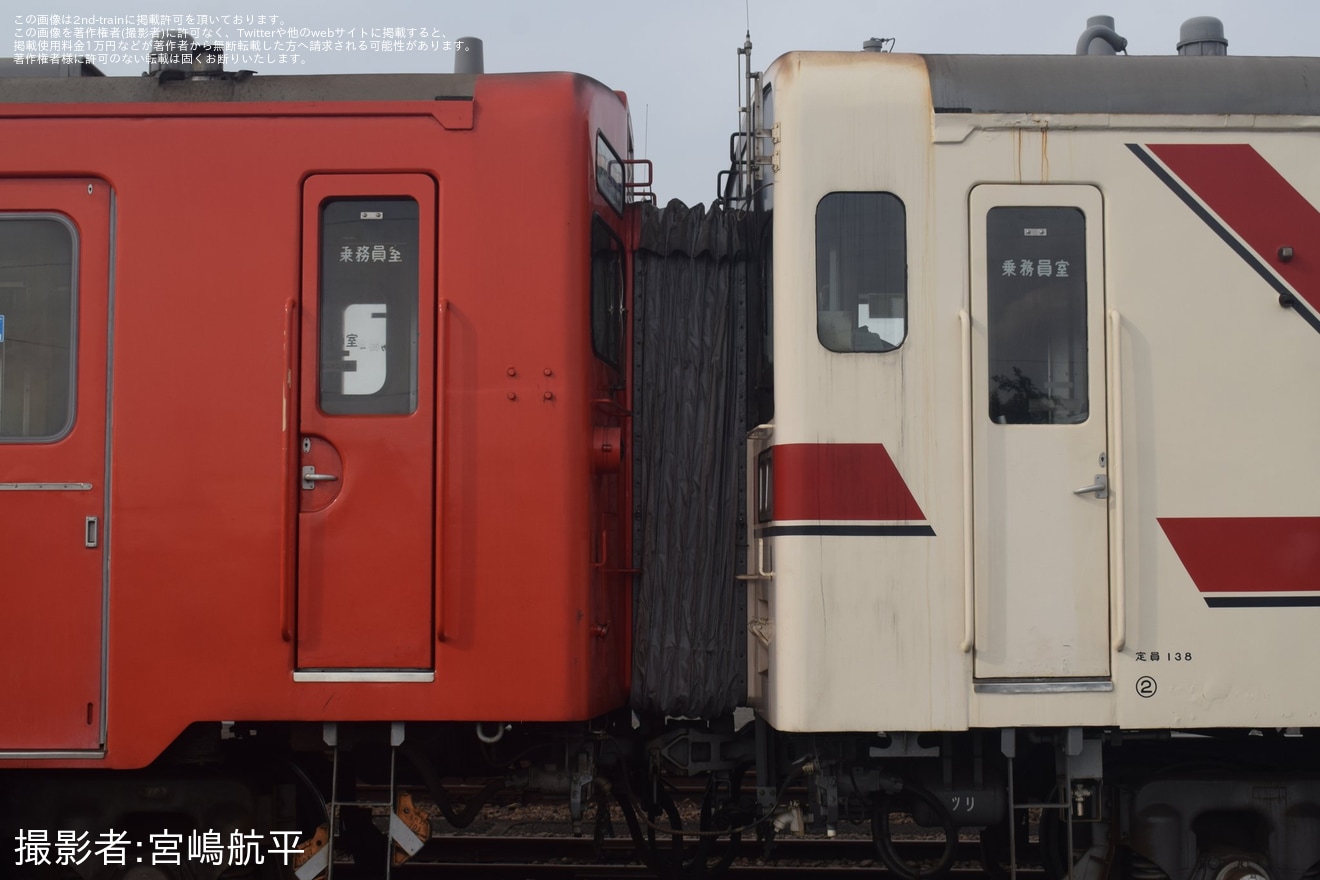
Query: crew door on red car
(366, 447)
(54, 304)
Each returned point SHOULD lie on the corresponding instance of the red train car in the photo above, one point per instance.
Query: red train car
(311, 406)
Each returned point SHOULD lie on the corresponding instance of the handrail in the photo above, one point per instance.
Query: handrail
(969, 597)
(441, 378)
(760, 561)
(287, 449)
(1116, 484)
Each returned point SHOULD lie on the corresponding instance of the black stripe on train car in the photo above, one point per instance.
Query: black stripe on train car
(1262, 601)
(851, 531)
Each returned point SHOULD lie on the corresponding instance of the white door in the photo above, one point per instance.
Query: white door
(1039, 433)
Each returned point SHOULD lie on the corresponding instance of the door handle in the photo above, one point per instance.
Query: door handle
(310, 477)
(1100, 487)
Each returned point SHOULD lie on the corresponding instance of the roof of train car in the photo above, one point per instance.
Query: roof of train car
(1066, 84)
(71, 88)
(1270, 86)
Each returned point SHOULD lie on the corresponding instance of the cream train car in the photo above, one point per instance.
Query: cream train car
(1044, 457)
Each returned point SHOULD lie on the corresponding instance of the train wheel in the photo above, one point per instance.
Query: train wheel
(887, 804)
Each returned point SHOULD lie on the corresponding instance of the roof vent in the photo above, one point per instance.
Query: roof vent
(1203, 35)
(174, 56)
(878, 44)
(469, 55)
(1099, 37)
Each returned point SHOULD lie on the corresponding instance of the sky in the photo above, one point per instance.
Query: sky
(677, 60)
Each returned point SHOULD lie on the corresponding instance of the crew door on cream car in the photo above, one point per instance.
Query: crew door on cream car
(1041, 508)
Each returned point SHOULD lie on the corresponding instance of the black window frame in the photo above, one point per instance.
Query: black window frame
(607, 312)
(613, 193)
(765, 486)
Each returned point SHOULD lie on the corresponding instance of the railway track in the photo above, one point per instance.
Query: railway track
(519, 871)
(516, 839)
(477, 848)
(482, 856)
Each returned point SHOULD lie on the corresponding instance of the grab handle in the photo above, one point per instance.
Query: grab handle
(1116, 477)
(969, 597)
(287, 490)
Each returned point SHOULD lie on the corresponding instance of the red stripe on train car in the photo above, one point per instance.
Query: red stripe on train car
(840, 481)
(1256, 202)
(1269, 554)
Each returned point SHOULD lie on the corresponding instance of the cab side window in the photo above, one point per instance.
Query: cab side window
(861, 271)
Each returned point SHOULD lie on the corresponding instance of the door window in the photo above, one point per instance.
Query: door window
(36, 328)
(1036, 315)
(368, 306)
